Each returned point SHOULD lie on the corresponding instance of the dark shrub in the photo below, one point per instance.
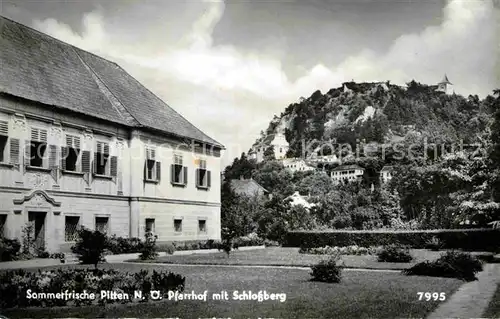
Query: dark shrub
(394, 254)
(14, 285)
(90, 246)
(9, 249)
(434, 244)
(327, 271)
(121, 245)
(467, 239)
(451, 264)
(148, 251)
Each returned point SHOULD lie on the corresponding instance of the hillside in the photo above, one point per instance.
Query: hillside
(382, 113)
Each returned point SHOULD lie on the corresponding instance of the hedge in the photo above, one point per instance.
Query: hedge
(466, 239)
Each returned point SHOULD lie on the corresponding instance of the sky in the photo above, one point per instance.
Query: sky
(229, 67)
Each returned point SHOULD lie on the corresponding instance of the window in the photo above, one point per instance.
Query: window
(179, 172)
(202, 175)
(38, 146)
(150, 225)
(3, 221)
(202, 226)
(71, 153)
(71, 228)
(178, 225)
(4, 138)
(101, 224)
(101, 156)
(152, 168)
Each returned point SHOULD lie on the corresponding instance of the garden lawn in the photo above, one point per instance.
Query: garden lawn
(493, 310)
(361, 294)
(279, 256)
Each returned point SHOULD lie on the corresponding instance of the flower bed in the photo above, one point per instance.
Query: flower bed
(348, 250)
(14, 286)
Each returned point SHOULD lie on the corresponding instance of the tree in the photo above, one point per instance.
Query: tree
(316, 184)
(269, 153)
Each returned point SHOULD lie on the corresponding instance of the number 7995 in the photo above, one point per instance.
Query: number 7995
(428, 296)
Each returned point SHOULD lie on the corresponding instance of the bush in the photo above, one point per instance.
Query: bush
(349, 250)
(9, 249)
(327, 270)
(148, 251)
(250, 240)
(122, 245)
(394, 254)
(169, 248)
(467, 239)
(90, 246)
(451, 265)
(14, 285)
(271, 243)
(434, 244)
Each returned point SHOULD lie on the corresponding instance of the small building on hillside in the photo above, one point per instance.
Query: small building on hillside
(248, 187)
(297, 199)
(347, 173)
(278, 141)
(297, 165)
(386, 174)
(443, 85)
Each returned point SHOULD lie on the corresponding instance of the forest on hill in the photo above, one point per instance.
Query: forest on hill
(436, 184)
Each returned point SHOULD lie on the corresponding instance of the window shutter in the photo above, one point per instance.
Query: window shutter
(95, 162)
(14, 150)
(38, 135)
(64, 156)
(197, 173)
(106, 149)
(172, 173)
(4, 128)
(53, 161)
(76, 141)
(43, 136)
(114, 166)
(185, 181)
(209, 178)
(145, 169)
(86, 161)
(158, 171)
(27, 152)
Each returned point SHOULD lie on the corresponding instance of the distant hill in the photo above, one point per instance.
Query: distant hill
(382, 113)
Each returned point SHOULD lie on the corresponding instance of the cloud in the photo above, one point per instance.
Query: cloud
(209, 83)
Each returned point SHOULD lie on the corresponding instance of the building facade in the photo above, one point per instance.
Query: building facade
(297, 165)
(347, 174)
(279, 143)
(83, 143)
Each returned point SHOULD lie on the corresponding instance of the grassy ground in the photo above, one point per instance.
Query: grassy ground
(278, 256)
(361, 294)
(493, 310)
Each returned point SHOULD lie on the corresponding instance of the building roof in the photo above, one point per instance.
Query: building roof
(347, 167)
(246, 186)
(40, 68)
(445, 80)
(387, 168)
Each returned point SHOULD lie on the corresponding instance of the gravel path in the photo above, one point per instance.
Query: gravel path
(472, 299)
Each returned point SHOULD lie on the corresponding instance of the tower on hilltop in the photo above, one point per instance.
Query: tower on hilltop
(443, 85)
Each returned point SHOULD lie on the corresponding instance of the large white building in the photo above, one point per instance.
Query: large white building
(347, 173)
(83, 143)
